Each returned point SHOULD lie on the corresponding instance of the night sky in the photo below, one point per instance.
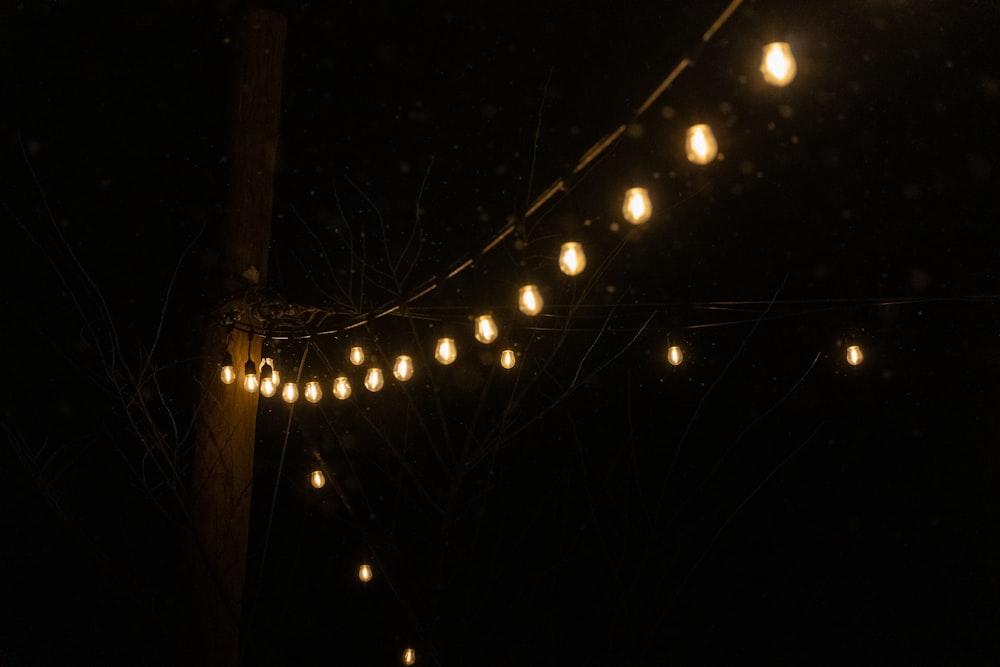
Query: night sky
(764, 502)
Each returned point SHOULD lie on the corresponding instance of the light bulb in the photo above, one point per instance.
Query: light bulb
(227, 373)
(445, 352)
(409, 656)
(778, 64)
(317, 479)
(530, 300)
(357, 355)
(572, 260)
(275, 375)
(637, 208)
(402, 370)
(290, 392)
(250, 380)
(341, 387)
(486, 329)
(373, 379)
(508, 358)
(365, 572)
(312, 391)
(854, 355)
(268, 384)
(675, 355)
(701, 146)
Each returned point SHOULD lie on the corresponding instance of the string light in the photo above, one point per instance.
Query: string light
(854, 355)
(250, 380)
(373, 379)
(357, 355)
(700, 145)
(268, 378)
(290, 392)
(778, 68)
(275, 375)
(312, 391)
(486, 329)
(572, 260)
(778, 64)
(637, 208)
(675, 355)
(445, 352)
(227, 373)
(402, 370)
(530, 300)
(341, 387)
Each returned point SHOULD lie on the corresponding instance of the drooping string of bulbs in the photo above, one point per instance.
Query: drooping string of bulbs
(701, 147)
(778, 68)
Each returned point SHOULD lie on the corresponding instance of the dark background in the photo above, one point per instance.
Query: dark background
(762, 503)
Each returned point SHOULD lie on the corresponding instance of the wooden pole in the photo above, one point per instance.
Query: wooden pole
(222, 480)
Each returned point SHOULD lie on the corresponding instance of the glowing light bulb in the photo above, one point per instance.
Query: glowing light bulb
(402, 370)
(508, 358)
(530, 300)
(341, 387)
(637, 208)
(445, 352)
(312, 391)
(778, 64)
(701, 146)
(373, 379)
(572, 260)
(486, 329)
(250, 380)
(268, 386)
(275, 375)
(227, 373)
(409, 656)
(357, 355)
(290, 392)
(365, 572)
(854, 355)
(675, 355)
(317, 479)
